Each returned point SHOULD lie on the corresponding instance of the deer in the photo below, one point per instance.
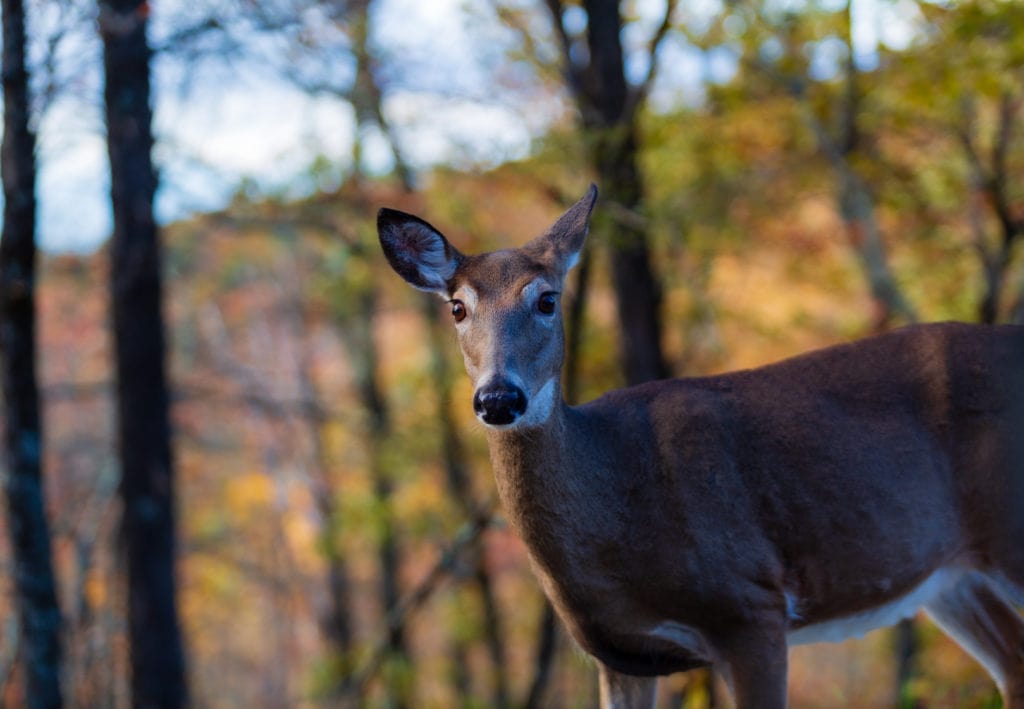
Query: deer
(719, 520)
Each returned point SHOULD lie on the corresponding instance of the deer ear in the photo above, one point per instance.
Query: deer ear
(564, 240)
(417, 251)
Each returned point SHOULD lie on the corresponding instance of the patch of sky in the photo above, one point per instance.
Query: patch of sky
(826, 57)
(225, 112)
(574, 20)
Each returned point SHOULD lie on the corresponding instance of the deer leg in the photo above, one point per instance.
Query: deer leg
(756, 664)
(619, 691)
(987, 627)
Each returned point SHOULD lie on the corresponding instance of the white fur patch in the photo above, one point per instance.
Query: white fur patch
(975, 650)
(858, 625)
(538, 407)
(682, 636)
(1013, 593)
(430, 258)
(791, 611)
(532, 290)
(468, 297)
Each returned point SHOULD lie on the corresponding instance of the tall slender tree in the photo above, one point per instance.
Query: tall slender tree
(367, 96)
(855, 202)
(22, 438)
(147, 483)
(356, 329)
(609, 109)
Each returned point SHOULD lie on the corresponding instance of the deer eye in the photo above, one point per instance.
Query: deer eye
(547, 303)
(458, 310)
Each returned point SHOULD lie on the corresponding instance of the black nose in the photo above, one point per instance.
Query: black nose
(499, 403)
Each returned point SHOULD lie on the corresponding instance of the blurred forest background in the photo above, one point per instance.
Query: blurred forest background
(304, 513)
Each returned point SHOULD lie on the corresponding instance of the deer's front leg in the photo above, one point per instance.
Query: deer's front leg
(756, 663)
(619, 691)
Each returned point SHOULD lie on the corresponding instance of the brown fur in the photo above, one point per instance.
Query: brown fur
(697, 521)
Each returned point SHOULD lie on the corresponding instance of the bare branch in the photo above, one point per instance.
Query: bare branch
(993, 180)
(850, 134)
(335, 229)
(1009, 107)
(556, 8)
(639, 94)
(400, 614)
(189, 33)
(989, 185)
(980, 180)
(964, 132)
(573, 72)
(531, 50)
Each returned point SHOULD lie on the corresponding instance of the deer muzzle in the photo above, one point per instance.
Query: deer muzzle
(499, 403)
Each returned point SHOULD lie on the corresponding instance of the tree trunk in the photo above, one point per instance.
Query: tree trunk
(147, 480)
(609, 116)
(544, 657)
(336, 623)
(357, 335)
(35, 592)
(989, 185)
(857, 209)
(366, 96)
(906, 650)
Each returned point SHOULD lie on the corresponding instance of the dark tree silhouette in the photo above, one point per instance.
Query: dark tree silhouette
(38, 612)
(147, 483)
(357, 336)
(366, 95)
(609, 109)
(991, 182)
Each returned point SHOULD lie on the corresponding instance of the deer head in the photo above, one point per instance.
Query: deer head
(506, 306)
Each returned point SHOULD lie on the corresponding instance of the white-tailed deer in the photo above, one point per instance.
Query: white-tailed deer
(718, 520)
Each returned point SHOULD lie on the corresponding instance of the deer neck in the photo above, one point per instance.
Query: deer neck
(521, 455)
(528, 459)
(537, 470)
(551, 479)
